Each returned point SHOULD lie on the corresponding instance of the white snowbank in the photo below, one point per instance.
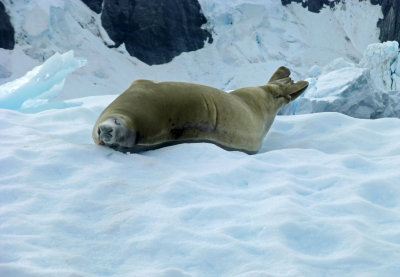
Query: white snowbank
(320, 199)
(365, 90)
(32, 92)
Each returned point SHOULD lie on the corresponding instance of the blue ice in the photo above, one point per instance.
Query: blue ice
(32, 92)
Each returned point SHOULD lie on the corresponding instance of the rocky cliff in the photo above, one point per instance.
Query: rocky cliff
(153, 31)
(390, 24)
(7, 40)
(94, 5)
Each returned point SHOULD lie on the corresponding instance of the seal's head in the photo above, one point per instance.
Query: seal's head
(113, 132)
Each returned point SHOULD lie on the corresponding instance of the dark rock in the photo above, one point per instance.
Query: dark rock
(376, 2)
(314, 6)
(155, 31)
(7, 40)
(94, 5)
(117, 19)
(390, 24)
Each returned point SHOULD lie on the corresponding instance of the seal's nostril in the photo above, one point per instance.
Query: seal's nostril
(106, 129)
(98, 131)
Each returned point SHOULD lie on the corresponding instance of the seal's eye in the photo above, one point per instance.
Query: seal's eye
(98, 131)
(116, 122)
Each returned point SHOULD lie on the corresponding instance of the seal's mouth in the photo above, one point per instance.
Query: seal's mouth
(101, 142)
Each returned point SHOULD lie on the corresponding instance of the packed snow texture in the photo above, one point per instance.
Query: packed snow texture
(369, 89)
(320, 199)
(32, 92)
(252, 38)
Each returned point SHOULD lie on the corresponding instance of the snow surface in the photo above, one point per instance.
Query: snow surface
(322, 198)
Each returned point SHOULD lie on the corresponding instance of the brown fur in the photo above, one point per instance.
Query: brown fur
(166, 113)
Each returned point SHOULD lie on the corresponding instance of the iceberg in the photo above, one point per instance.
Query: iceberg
(32, 92)
(368, 89)
(382, 61)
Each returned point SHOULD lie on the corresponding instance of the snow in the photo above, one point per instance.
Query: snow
(321, 198)
(37, 21)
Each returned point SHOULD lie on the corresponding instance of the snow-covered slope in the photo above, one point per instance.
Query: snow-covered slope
(251, 39)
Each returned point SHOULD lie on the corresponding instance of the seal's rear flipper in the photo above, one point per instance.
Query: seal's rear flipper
(287, 88)
(280, 73)
(295, 90)
(281, 85)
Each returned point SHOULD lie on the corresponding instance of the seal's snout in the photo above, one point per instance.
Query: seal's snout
(105, 133)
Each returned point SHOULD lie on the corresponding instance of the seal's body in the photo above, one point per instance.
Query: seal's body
(149, 115)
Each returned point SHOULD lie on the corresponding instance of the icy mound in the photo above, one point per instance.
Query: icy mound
(309, 204)
(364, 90)
(32, 92)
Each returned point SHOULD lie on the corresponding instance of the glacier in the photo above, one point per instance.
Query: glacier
(33, 92)
(368, 89)
(252, 39)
